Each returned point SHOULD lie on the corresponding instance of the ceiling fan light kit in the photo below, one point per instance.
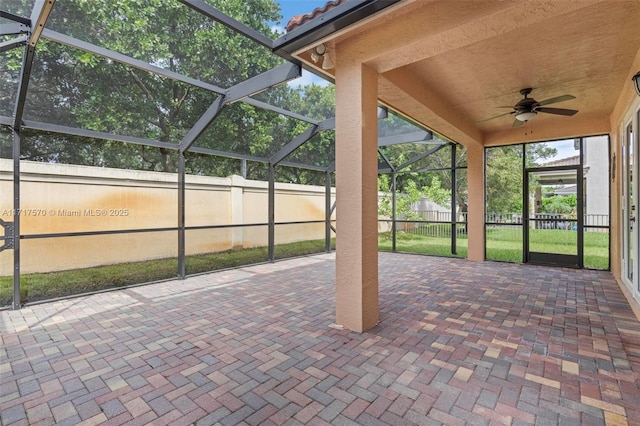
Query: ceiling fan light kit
(528, 108)
(525, 116)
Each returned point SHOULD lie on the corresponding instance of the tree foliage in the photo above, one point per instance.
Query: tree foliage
(404, 200)
(79, 89)
(436, 185)
(560, 204)
(504, 179)
(504, 175)
(410, 195)
(436, 193)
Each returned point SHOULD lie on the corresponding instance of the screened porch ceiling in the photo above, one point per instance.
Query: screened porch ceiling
(451, 64)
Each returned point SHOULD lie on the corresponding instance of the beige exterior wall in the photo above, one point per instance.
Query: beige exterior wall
(64, 199)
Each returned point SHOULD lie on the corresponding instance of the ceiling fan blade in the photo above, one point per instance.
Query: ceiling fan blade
(517, 123)
(558, 111)
(556, 99)
(497, 116)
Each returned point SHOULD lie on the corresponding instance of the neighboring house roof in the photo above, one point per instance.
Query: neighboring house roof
(567, 190)
(299, 20)
(569, 161)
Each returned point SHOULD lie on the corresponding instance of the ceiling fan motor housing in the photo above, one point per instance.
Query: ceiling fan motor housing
(526, 104)
(527, 107)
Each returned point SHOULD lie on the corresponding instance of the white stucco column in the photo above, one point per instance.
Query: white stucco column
(475, 218)
(357, 196)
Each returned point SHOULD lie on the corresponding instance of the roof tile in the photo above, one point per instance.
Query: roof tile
(299, 20)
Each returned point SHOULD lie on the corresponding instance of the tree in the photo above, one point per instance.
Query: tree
(79, 89)
(315, 102)
(438, 183)
(436, 193)
(504, 180)
(404, 201)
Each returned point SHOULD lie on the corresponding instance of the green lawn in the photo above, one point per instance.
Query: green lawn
(412, 243)
(35, 287)
(505, 244)
(596, 250)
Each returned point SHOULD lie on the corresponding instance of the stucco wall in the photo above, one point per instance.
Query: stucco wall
(64, 198)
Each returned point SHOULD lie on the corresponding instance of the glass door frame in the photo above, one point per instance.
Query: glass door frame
(630, 233)
(573, 261)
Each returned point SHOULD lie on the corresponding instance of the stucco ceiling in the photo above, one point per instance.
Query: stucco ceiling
(474, 56)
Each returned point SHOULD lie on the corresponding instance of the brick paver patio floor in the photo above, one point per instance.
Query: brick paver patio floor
(459, 342)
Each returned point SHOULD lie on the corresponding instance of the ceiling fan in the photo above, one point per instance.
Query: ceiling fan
(528, 108)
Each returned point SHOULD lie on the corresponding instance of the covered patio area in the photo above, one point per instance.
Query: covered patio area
(458, 341)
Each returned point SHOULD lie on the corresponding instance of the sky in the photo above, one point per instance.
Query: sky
(291, 8)
(565, 149)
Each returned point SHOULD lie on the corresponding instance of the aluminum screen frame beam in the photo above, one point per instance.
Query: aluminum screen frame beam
(16, 300)
(210, 114)
(182, 233)
(225, 154)
(454, 207)
(302, 166)
(245, 157)
(39, 15)
(13, 43)
(282, 111)
(238, 92)
(13, 29)
(74, 131)
(301, 139)
(213, 13)
(261, 82)
(394, 210)
(421, 156)
(271, 213)
(54, 128)
(15, 18)
(296, 143)
(386, 160)
(328, 210)
(144, 66)
(23, 86)
(127, 60)
(413, 137)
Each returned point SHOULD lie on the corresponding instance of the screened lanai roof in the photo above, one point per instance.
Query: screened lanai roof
(168, 75)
